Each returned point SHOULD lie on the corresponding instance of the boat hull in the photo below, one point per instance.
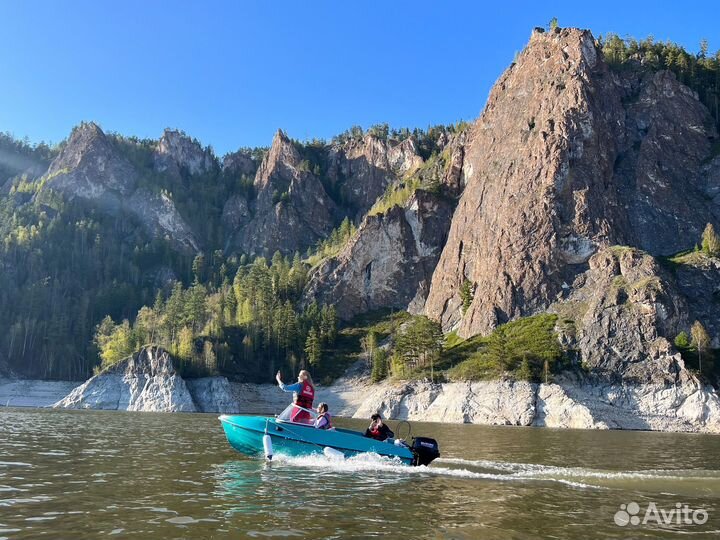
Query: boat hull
(245, 434)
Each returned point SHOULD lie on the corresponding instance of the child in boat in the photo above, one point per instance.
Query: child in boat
(378, 430)
(323, 421)
(303, 396)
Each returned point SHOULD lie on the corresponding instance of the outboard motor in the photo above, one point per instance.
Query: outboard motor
(425, 450)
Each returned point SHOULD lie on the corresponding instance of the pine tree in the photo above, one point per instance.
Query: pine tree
(196, 306)
(379, 366)
(420, 342)
(313, 348)
(198, 267)
(174, 312)
(328, 324)
(524, 372)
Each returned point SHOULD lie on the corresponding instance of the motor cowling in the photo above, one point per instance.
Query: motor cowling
(425, 450)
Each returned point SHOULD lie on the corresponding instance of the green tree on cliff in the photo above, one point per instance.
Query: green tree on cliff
(711, 241)
(114, 341)
(700, 340)
(466, 295)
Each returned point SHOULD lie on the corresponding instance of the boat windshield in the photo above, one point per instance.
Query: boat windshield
(298, 415)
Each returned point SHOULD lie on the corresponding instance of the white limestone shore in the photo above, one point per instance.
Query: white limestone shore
(148, 382)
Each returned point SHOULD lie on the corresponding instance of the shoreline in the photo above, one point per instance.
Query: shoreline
(36, 393)
(688, 407)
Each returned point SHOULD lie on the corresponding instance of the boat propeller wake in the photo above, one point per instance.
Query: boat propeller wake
(369, 463)
(501, 471)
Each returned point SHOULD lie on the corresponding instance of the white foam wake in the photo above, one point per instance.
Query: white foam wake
(538, 471)
(370, 462)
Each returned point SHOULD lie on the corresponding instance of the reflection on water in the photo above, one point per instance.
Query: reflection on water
(130, 475)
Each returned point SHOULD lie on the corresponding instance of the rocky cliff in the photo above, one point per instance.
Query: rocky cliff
(690, 406)
(388, 263)
(619, 315)
(362, 169)
(145, 381)
(91, 169)
(303, 193)
(177, 154)
(292, 210)
(568, 157)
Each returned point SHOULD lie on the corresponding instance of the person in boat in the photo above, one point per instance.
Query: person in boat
(303, 396)
(323, 421)
(378, 430)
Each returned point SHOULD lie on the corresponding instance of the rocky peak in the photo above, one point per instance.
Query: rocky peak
(563, 162)
(89, 167)
(176, 152)
(280, 164)
(292, 210)
(85, 140)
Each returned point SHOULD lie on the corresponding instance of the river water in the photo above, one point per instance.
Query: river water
(94, 474)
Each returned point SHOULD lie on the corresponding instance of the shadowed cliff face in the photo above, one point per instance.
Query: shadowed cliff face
(566, 158)
(388, 263)
(363, 169)
(619, 314)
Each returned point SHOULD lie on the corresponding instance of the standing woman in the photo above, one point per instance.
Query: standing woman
(303, 396)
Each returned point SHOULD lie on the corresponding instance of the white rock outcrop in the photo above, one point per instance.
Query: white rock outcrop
(148, 381)
(686, 407)
(145, 381)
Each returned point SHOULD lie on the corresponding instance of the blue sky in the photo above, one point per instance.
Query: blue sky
(231, 72)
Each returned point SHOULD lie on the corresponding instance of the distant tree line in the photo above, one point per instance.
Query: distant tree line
(700, 71)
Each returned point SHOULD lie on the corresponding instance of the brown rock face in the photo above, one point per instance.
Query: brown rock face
(388, 263)
(292, 210)
(566, 158)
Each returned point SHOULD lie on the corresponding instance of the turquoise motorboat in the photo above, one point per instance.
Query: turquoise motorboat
(286, 434)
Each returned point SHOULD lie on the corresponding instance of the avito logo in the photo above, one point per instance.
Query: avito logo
(682, 514)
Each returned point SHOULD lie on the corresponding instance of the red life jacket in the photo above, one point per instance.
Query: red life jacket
(304, 398)
(375, 434)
